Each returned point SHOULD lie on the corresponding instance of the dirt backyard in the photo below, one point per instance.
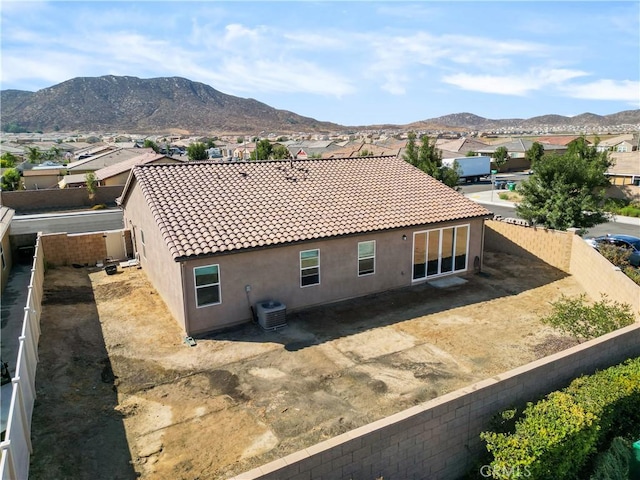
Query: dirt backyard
(120, 395)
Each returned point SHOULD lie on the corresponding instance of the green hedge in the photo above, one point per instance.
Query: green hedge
(555, 437)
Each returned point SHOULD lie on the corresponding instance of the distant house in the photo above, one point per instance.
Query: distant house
(459, 147)
(517, 149)
(215, 238)
(562, 140)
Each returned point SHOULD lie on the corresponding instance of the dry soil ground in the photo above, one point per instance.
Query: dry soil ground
(121, 396)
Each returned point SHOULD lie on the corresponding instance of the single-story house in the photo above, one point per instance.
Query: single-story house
(620, 143)
(517, 149)
(103, 159)
(118, 173)
(42, 176)
(216, 239)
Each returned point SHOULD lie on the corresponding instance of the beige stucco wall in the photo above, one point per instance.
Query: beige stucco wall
(5, 268)
(162, 271)
(274, 273)
(119, 179)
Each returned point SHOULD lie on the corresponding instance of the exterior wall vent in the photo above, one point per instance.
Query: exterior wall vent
(271, 314)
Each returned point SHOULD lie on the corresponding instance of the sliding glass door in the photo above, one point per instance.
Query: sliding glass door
(440, 251)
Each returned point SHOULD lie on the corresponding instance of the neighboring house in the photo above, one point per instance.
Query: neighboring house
(459, 147)
(73, 180)
(104, 159)
(119, 173)
(41, 176)
(6, 215)
(243, 151)
(215, 238)
(621, 144)
(625, 169)
(562, 140)
(517, 149)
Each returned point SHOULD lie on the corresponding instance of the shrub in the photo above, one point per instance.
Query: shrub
(633, 273)
(556, 436)
(614, 462)
(100, 206)
(575, 317)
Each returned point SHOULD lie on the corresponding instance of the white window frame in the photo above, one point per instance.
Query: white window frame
(303, 269)
(367, 257)
(196, 287)
(453, 260)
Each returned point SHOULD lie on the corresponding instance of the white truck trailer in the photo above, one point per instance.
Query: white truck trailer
(471, 168)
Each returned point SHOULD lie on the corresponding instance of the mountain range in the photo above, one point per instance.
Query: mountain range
(178, 105)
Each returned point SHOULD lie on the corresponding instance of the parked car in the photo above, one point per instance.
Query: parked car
(628, 242)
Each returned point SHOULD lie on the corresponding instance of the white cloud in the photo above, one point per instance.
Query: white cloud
(519, 84)
(396, 58)
(606, 89)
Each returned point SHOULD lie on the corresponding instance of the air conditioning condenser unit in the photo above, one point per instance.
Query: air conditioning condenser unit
(271, 314)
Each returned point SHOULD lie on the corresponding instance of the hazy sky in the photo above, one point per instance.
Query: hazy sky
(353, 63)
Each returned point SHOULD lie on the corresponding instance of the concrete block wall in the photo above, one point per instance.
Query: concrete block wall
(24, 201)
(598, 276)
(440, 438)
(66, 249)
(568, 252)
(550, 246)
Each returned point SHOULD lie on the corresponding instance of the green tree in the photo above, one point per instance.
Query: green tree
(535, 153)
(500, 156)
(197, 151)
(584, 322)
(411, 150)
(262, 151)
(428, 158)
(152, 145)
(33, 154)
(567, 190)
(471, 153)
(92, 184)
(10, 179)
(54, 153)
(8, 160)
(240, 140)
(280, 152)
(366, 153)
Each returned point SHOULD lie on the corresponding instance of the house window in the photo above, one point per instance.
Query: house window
(4, 262)
(309, 267)
(440, 251)
(207, 281)
(366, 257)
(144, 249)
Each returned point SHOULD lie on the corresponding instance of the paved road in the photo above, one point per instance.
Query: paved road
(481, 193)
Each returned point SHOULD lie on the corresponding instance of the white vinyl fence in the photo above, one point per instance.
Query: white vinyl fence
(16, 447)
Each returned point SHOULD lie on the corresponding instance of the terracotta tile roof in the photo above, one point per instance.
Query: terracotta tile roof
(206, 208)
